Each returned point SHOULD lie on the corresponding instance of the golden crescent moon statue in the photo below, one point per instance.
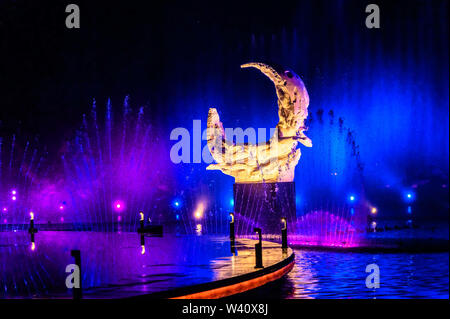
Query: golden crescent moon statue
(275, 160)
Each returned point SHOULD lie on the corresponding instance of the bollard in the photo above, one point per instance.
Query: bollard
(142, 244)
(141, 221)
(258, 249)
(77, 292)
(232, 233)
(31, 229)
(284, 242)
(33, 245)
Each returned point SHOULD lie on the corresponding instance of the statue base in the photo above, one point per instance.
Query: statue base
(263, 205)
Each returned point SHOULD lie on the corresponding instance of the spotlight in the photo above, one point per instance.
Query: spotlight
(14, 198)
(176, 203)
(61, 207)
(409, 196)
(199, 211)
(352, 198)
(14, 192)
(118, 206)
(5, 209)
(198, 214)
(232, 202)
(373, 210)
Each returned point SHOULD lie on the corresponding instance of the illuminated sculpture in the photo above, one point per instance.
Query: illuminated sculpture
(275, 160)
(264, 188)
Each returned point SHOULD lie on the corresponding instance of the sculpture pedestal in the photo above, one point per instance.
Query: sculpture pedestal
(263, 205)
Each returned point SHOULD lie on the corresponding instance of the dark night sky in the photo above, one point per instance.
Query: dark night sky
(49, 74)
(180, 58)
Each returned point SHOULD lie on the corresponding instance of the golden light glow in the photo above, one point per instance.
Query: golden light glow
(31, 216)
(199, 210)
(373, 210)
(142, 249)
(198, 229)
(142, 215)
(232, 217)
(283, 220)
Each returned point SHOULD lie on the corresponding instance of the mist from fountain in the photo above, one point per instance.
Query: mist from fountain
(332, 208)
(114, 169)
(117, 165)
(23, 167)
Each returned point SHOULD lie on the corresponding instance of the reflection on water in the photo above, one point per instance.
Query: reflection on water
(342, 275)
(126, 262)
(121, 264)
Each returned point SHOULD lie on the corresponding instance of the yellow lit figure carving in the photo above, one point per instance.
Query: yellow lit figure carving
(275, 160)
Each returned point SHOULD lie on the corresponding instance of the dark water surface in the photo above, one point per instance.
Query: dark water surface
(342, 275)
(120, 264)
(116, 265)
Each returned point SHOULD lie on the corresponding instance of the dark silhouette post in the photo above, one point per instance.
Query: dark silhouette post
(141, 221)
(232, 233)
(77, 292)
(284, 242)
(32, 229)
(258, 249)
